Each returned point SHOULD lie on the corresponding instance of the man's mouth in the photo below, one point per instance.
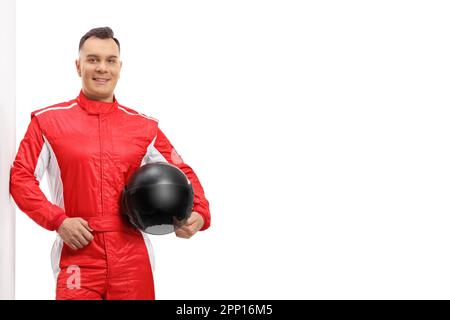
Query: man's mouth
(100, 80)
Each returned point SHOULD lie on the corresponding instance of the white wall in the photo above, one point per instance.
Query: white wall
(7, 144)
(319, 129)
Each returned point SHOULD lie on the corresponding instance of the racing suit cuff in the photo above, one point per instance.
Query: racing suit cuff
(59, 220)
(204, 217)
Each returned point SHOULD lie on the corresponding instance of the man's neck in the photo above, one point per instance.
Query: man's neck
(95, 98)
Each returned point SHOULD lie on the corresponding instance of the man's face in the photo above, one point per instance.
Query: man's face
(99, 68)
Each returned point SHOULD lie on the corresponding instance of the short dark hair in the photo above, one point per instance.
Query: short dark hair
(102, 33)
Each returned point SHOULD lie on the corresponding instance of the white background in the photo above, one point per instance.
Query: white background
(319, 130)
(7, 145)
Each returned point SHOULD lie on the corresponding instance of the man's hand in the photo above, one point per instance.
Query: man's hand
(75, 232)
(192, 225)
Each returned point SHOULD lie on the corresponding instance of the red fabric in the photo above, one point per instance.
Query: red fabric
(96, 146)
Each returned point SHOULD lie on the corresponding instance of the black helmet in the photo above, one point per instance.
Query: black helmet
(156, 194)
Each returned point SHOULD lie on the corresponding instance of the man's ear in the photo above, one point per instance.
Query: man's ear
(77, 64)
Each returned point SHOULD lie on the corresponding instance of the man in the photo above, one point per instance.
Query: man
(90, 146)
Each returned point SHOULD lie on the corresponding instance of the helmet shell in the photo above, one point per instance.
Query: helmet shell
(158, 198)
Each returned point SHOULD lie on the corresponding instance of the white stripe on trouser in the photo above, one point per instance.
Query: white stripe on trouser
(56, 255)
(150, 251)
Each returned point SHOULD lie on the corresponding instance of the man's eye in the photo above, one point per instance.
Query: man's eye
(91, 59)
(112, 61)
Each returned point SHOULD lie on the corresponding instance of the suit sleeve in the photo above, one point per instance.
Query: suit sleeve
(201, 204)
(28, 168)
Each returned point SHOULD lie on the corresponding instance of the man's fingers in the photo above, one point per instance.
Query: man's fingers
(76, 233)
(82, 240)
(76, 243)
(195, 218)
(192, 227)
(183, 228)
(189, 221)
(82, 236)
(86, 234)
(192, 218)
(187, 224)
(183, 234)
(71, 246)
(85, 224)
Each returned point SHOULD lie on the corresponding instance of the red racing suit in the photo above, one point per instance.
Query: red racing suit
(89, 149)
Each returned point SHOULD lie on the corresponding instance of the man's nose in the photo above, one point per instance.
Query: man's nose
(101, 67)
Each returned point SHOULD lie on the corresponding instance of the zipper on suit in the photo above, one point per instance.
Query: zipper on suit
(101, 162)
